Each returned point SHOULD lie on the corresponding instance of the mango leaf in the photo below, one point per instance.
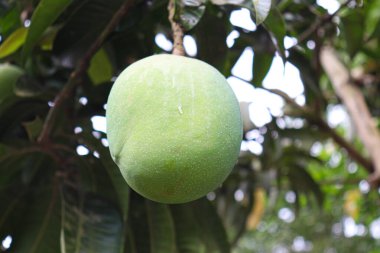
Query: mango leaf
(100, 70)
(261, 66)
(187, 232)
(89, 224)
(353, 32)
(275, 25)
(259, 8)
(40, 232)
(10, 20)
(33, 128)
(161, 227)
(372, 19)
(212, 229)
(45, 14)
(189, 12)
(13, 42)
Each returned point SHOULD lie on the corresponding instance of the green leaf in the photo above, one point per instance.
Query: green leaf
(13, 42)
(372, 19)
(33, 128)
(45, 14)
(100, 69)
(40, 231)
(161, 227)
(212, 230)
(353, 32)
(275, 25)
(187, 232)
(89, 224)
(189, 12)
(261, 66)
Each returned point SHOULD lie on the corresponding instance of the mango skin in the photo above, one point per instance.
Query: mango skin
(174, 128)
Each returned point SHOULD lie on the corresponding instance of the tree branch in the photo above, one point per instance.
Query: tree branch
(356, 106)
(177, 30)
(77, 74)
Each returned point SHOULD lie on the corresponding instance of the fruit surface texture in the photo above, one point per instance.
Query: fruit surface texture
(173, 127)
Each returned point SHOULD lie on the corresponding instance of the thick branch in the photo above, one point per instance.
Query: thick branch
(177, 30)
(76, 75)
(356, 106)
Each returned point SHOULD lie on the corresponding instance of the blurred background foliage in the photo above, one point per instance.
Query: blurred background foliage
(293, 188)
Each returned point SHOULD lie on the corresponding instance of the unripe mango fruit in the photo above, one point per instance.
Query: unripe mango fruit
(173, 127)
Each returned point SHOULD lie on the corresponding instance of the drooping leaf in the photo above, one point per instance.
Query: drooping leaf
(187, 231)
(189, 12)
(90, 224)
(161, 227)
(33, 128)
(212, 229)
(100, 69)
(40, 233)
(13, 42)
(261, 65)
(353, 32)
(45, 14)
(372, 19)
(275, 25)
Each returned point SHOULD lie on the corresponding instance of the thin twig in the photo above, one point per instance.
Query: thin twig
(77, 74)
(316, 120)
(319, 23)
(177, 30)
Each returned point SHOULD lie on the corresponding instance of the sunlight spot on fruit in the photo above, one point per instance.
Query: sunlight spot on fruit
(286, 214)
(27, 23)
(82, 150)
(104, 142)
(290, 197)
(83, 101)
(242, 18)
(239, 195)
(211, 196)
(364, 186)
(254, 147)
(244, 65)
(99, 123)
(374, 228)
(96, 154)
(96, 134)
(190, 45)
(289, 42)
(163, 42)
(50, 103)
(330, 5)
(230, 41)
(6, 243)
(180, 109)
(78, 130)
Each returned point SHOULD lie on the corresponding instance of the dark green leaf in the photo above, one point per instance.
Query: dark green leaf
(161, 227)
(100, 70)
(352, 28)
(261, 66)
(90, 224)
(212, 229)
(275, 25)
(45, 14)
(188, 13)
(33, 128)
(187, 231)
(13, 42)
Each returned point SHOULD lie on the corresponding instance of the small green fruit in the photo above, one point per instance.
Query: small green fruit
(174, 127)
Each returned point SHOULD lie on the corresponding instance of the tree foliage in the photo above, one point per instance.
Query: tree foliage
(59, 188)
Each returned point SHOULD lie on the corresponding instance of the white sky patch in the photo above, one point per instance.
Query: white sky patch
(6, 243)
(244, 65)
(337, 115)
(286, 78)
(82, 150)
(330, 5)
(374, 228)
(289, 42)
(286, 214)
(99, 123)
(163, 42)
(190, 45)
(242, 18)
(230, 41)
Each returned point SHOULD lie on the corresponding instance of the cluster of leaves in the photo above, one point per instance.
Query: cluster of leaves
(59, 200)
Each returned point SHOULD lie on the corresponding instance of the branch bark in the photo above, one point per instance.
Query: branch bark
(177, 30)
(356, 106)
(77, 74)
